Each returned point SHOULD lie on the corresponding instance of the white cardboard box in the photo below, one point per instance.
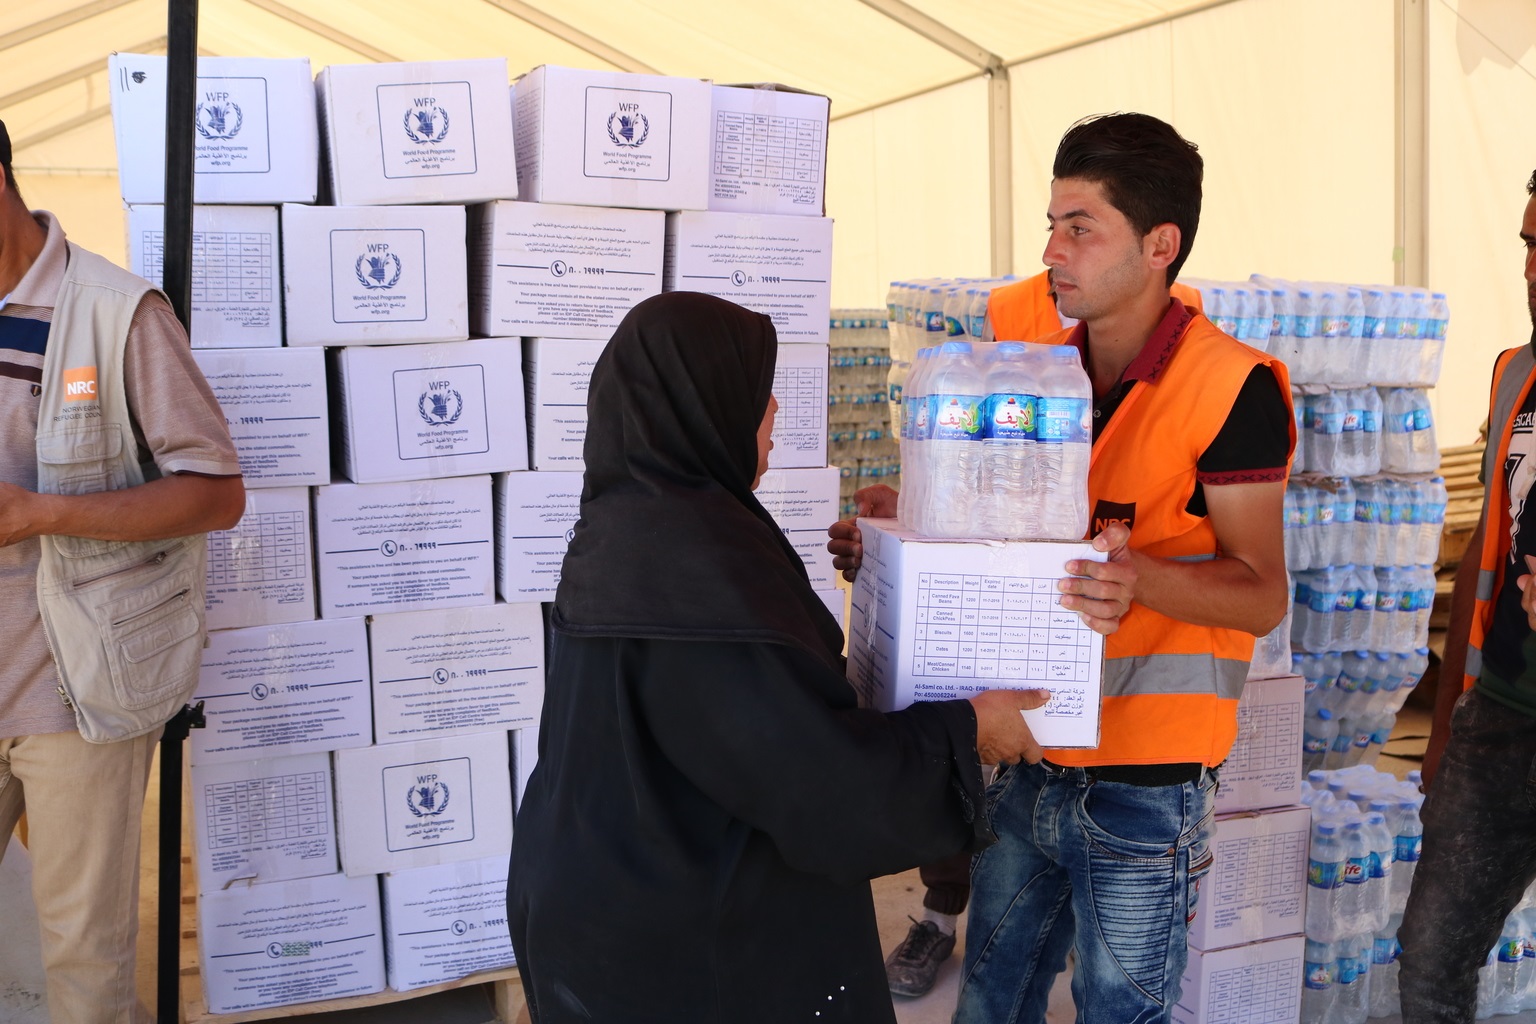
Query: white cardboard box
(562, 271)
(1257, 887)
(418, 412)
(556, 373)
(769, 150)
(426, 132)
(459, 670)
(265, 820)
(374, 275)
(257, 141)
(1257, 984)
(237, 290)
(609, 138)
(290, 942)
(275, 403)
(404, 546)
(800, 428)
(446, 922)
(536, 515)
(1264, 767)
(804, 503)
(778, 266)
(260, 572)
(424, 802)
(939, 620)
(289, 689)
(525, 756)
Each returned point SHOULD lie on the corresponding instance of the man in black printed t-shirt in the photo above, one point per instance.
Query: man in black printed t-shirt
(1479, 851)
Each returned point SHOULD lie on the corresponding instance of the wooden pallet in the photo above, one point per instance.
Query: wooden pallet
(506, 985)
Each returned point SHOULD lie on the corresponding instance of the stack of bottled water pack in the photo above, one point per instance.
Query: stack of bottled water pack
(1365, 845)
(927, 313)
(1507, 982)
(995, 442)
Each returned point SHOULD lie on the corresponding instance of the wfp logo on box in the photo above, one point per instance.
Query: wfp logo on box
(426, 122)
(378, 269)
(628, 127)
(219, 117)
(440, 404)
(427, 797)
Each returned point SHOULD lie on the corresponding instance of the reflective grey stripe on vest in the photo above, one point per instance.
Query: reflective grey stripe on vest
(1485, 580)
(1175, 673)
(1192, 558)
(1474, 665)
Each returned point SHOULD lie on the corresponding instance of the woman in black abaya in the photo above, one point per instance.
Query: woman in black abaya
(710, 802)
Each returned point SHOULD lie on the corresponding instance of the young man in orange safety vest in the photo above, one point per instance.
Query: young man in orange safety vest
(1100, 851)
(1026, 310)
(1479, 851)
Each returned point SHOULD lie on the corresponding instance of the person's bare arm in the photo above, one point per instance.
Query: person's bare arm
(1244, 586)
(1453, 663)
(172, 506)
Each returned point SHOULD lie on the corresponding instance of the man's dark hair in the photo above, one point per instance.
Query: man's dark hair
(5, 159)
(1148, 171)
(1530, 186)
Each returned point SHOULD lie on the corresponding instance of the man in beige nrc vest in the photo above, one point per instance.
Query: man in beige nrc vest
(133, 462)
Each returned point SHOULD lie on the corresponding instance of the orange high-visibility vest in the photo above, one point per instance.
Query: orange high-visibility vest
(1512, 379)
(1024, 311)
(1170, 688)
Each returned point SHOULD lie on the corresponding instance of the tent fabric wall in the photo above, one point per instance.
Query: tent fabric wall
(1291, 101)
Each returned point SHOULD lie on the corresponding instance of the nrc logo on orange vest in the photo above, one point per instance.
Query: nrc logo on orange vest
(1106, 512)
(80, 384)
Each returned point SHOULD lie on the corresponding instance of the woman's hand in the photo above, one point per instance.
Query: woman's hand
(1002, 735)
(846, 545)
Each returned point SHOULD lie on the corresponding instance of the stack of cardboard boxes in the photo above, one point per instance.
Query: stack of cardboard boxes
(1246, 942)
(404, 370)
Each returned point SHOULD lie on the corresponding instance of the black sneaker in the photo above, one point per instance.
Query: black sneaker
(913, 966)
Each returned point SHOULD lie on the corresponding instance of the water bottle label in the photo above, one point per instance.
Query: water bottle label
(1314, 744)
(956, 418)
(1365, 600)
(1324, 514)
(1324, 874)
(1386, 602)
(1370, 421)
(1282, 325)
(934, 322)
(922, 418)
(1319, 976)
(1384, 951)
(1350, 969)
(953, 327)
(1363, 740)
(1406, 602)
(1320, 601)
(1293, 517)
(1010, 417)
(1305, 326)
(1374, 327)
(1407, 848)
(1357, 870)
(1378, 869)
(1354, 420)
(976, 325)
(1348, 683)
(1335, 326)
(1328, 422)
(1061, 420)
(1346, 601)
(1421, 419)
(1511, 951)
(1227, 325)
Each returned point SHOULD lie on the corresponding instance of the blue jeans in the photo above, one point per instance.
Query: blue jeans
(1108, 868)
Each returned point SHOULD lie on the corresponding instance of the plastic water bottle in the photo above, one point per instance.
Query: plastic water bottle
(1408, 442)
(956, 310)
(1378, 894)
(1385, 999)
(1291, 534)
(1401, 347)
(1362, 586)
(1352, 979)
(1487, 984)
(1432, 521)
(976, 312)
(1352, 340)
(1317, 995)
(1319, 730)
(1064, 445)
(1301, 408)
(1526, 977)
(1261, 322)
(1374, 333)
(1342, 548)
(1309, 555)
(1360, 443)
(916, 433)
(1357, 872)
(1375, 689)
(1407, 845)
(1432, 349)
(1005, 507)
(1506, 987)
(1326, 454)
(1367, 537)
(1325, 876)
(1322, 603)
(1331, 327)
(954, 451)
(1307, 365)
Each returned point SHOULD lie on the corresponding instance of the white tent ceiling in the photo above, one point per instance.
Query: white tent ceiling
(1361, 140)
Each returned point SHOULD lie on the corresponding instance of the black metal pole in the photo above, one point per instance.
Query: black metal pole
(180, 104)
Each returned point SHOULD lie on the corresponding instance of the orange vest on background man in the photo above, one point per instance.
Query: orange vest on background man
(1512, 379)
(1170, 688)
(1024, 311)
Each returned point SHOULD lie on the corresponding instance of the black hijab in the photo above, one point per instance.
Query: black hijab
(671, 541)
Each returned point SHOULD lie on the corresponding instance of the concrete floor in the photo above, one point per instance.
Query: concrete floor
(896, 897)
